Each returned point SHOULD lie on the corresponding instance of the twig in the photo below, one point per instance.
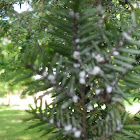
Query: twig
(18, 16)
(111, 134)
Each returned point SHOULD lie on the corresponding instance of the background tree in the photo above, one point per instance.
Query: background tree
(85, 52)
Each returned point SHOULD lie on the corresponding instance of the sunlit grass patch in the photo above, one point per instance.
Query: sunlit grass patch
(13, 126)
(134, 107)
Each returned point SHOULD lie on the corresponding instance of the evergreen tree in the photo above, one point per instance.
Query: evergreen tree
(85, 53)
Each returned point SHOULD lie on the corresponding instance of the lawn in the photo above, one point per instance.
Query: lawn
(13, 126)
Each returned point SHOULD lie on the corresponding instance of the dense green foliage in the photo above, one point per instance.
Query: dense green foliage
(86, 53)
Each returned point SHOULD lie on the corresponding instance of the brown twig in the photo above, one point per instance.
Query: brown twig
(111, 134)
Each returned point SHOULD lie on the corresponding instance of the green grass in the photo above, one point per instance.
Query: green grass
(12, 126)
